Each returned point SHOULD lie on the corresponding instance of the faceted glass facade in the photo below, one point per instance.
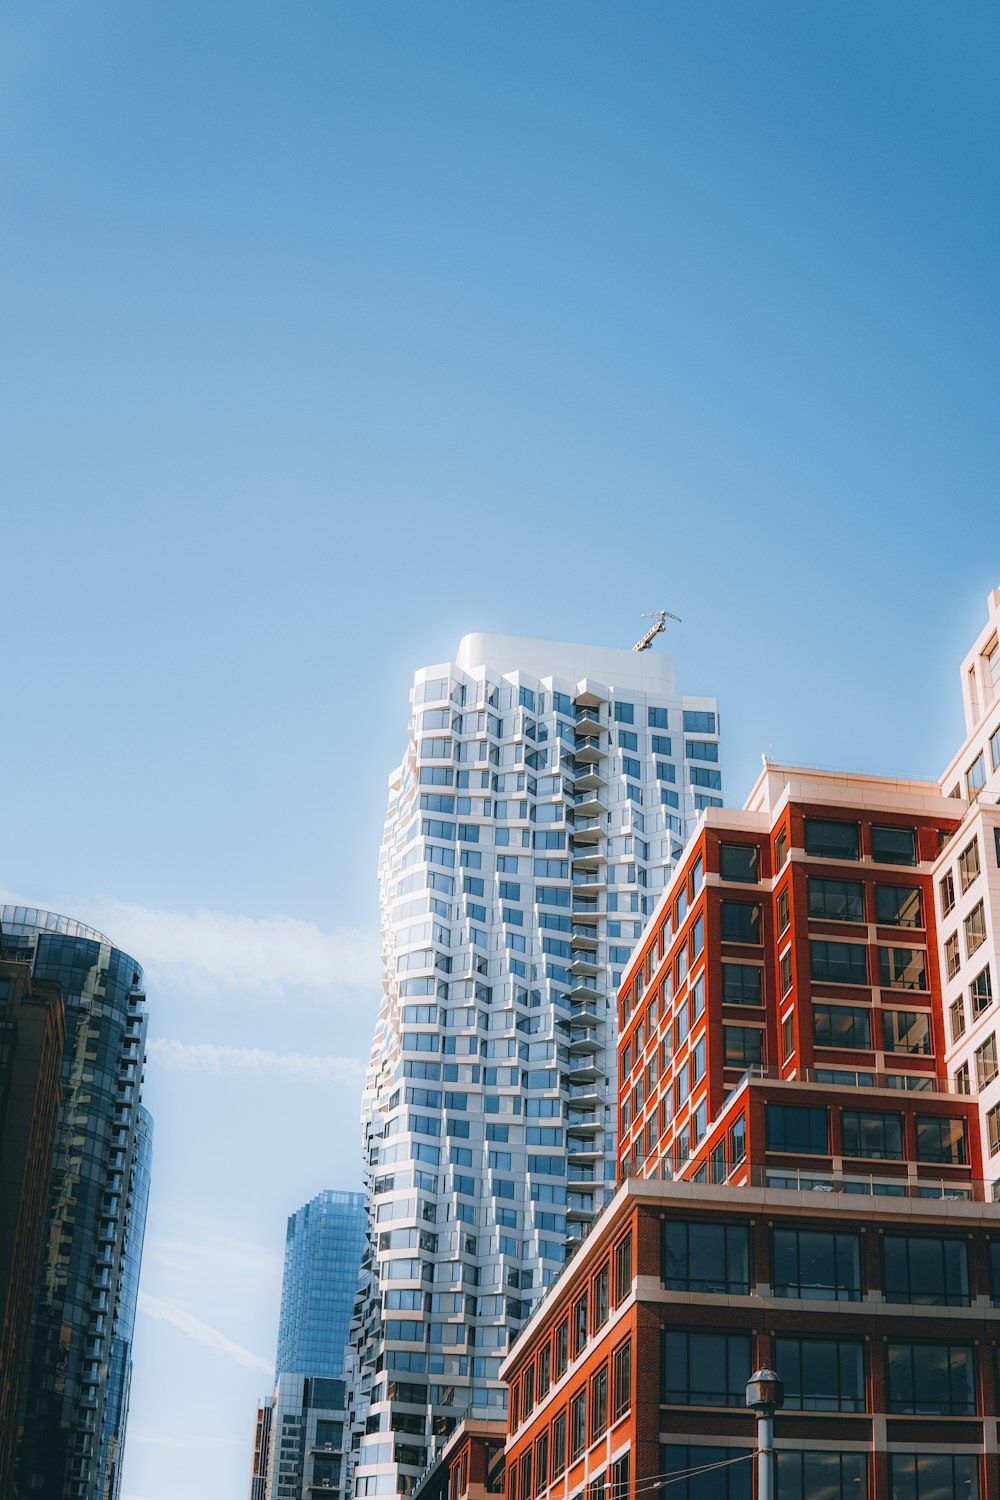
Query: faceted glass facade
(77, 1384)
(541, 803)
(323, 1249)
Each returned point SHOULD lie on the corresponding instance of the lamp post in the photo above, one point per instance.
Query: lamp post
(765, 1394)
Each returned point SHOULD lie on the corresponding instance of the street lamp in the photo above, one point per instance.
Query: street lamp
(765, 1394)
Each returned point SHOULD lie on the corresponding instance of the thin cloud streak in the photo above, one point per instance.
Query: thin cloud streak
(253, 1062)
(185, 1322)
(216, 949)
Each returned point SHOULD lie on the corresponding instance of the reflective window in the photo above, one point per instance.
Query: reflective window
(931, 1380)
(894, 846)
(934, 1476)
(829, 838)
(742, 984)
(941, 1139)
(842, 1026)
(838, 963)
(832, 1476)
(926, 1270)
(872, 1133)
(902, 968)
(907, 1031)
(836, 900)
(706, 1369)
(822, 1374)
(730, 1481)
(798, 1128)
(822, 1265)
(740, 922)
(705, 1257)
(739, 862)
(898, 906)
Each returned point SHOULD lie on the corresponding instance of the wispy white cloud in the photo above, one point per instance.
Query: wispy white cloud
(179, 1318)
(216, 949)
(209, 951)
(223, 1253)
(181, 1443)
(254, 1062)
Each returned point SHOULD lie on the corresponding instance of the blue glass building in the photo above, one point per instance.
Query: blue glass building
(76, 1389)
(323, 1248)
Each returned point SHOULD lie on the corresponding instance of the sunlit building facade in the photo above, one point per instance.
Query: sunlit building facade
(542, 802)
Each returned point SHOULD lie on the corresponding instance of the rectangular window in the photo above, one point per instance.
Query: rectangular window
(894, 846)
(541, 1463)
(898, 906)
(934, 1476)
(702, 1471)
(941, 1139)
(798, 1128)
(784, 914)
(926, 1270)
(986, 1062)
(599, 1404)
(544, 1371)
(836, 900)
(740, 922)
(907, 1031)
(931, 1380)
(740, 862)
(602, 1298)
(829, 838)
(952, 956)
(656, 718)
(701, 750)
(975, 776)
(577, 1425)
(624, 713)
(705, 1369)
(822, 1374)
(742, 984)
(623, 1269)
(975, 929)
(706, 1257)
(993, 1129)
(787, 1035)
(902, 968)
(820, 1265)
(946, 890)
(785, 972)
(968, 864)
(737, 1141)
(559, 1445)
(622, 1364)
(872, 1133)
(697, 721)
(838, 963)
(981, 991)
(780, 849)
(956, 1012)
(819, 1473)
(742, 1046)
(562, 1349)
(579, 1324)
(846, 1026)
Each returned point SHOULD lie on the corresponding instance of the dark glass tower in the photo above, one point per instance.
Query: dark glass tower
(76, 1396)
(323, 1248)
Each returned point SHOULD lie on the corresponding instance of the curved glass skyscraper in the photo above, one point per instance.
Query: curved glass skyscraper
(76, 1401)
(541, 802)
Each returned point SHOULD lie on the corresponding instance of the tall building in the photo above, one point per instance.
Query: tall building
(299, 1432)
(75, 1400)
(32, 1036)
(541, 803)
(809, 1153)
(323, 1248)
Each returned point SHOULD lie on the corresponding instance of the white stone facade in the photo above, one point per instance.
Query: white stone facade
(545, 793)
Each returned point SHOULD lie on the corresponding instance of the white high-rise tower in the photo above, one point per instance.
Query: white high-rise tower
(544, 795)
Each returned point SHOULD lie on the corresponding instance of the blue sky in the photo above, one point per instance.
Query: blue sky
(332, 331)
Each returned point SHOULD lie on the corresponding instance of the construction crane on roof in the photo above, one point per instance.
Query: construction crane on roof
(661, 616)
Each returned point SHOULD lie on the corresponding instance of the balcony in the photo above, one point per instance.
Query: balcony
(588, 750)
(583, 1150)
(589, 830)
(588, 803)
(584, 937)
(583, 1042)
(588, 718)
(586, 1088)
(585, 1014)
(584, 1121)
(590, 879)
(585, 988)
(587, 859)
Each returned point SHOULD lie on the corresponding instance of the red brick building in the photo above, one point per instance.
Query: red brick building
(801, 1183)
